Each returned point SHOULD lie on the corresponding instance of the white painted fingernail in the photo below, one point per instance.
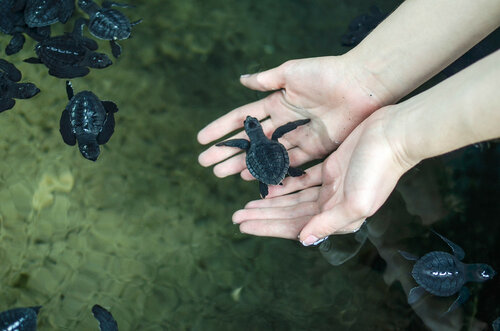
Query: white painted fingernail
(313, 240)
(245, 75)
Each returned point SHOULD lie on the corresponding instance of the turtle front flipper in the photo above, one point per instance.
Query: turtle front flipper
(239, 143)
(463, 295)
(408, 256)
(15, 44)
(65, 129)
(6, 103)
(279, 132)
(106, 320)
(415, 294)
(295, 172)
(457, 250)
(264, 191)
(107, 130)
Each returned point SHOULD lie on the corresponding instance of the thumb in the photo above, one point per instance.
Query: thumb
(337, 220)
(269, 80)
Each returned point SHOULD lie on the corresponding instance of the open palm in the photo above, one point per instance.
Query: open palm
(329, 91)
(335, 196)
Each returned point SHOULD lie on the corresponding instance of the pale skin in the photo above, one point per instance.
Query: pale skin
(347, 97)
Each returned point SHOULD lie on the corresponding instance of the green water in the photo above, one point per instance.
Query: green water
(146, 232)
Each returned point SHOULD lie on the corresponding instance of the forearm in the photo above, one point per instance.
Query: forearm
(420, 39)
(459, 111)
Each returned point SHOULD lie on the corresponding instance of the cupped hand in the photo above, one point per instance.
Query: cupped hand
(337, 195)
(335, 94)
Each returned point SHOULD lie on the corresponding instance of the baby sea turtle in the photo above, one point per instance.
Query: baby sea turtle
(88, 121)
(38, 13)
(443, 274)
(106, 320)
(267, 159)
(12, 23)
(107, 23)
(10, 89)
(19, 319)
(70, 55)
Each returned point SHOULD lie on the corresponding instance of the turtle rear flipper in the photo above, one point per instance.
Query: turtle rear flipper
(106, 320)
(264, 190)
(295, 172)
(107, 130)
(65, 129)
(6, 103)
(463, 295)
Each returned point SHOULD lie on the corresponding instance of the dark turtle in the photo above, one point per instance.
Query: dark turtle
(10, 89)
(267, 159)
(38, 13)
(106, 320)
(107, 23)
(88, 121)
(361, 26)
(19, 319)
(443, 274)
(70, 55)
(12, 23)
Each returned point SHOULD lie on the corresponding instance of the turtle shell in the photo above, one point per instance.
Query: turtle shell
(439, 273)
(268, 162)
(110, 24)
(86, 114)
(61, 51)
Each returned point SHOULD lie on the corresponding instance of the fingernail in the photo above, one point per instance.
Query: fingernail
(245, 75)
(313, 240)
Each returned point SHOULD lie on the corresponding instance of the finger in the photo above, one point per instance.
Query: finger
(231, 121)
(290, 212)
(311, 178)
(351, 228)
(310, 194)
(269, 80)
(296, 155)
(327, 223)
(281, 228)
(231, 166)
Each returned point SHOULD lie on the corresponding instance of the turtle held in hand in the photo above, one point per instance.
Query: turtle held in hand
(266, 159)
(88, 121)
(443, 274)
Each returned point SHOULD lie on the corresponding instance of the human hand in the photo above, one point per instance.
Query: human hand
(337, 195)
(331, 91)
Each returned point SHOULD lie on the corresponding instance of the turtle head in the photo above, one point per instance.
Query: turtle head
(88, 147)
(480, 272)
(253, 127)
(99, 60)
(25, 90)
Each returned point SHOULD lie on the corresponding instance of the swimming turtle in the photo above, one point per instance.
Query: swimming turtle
(12, 23)
(19, 319)
(10, 89)
(38, 13)
(106, 320)
(443, 274)
(25, 319)
(107, 23)
(70, 55)
(266, 159)
(88, 121)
